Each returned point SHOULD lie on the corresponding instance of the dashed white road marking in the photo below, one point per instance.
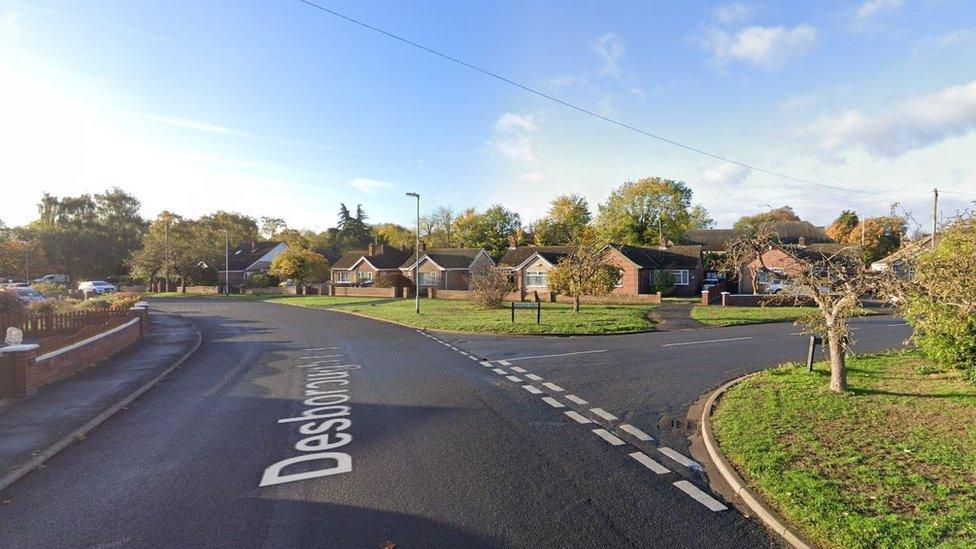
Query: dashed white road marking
(604, 414)
(499, 371)
(463, 353)
(319, 349)
(609, 437)
(486, 364)
(474, 358)
(453, 348)
(638, 434)
(707, 341)
(533, 390)
(679, 457)
(898, 324)
(556, 355)
(318, 356)
(553, 402)
(516, 379)
(576, 399)
(644, 460)
(554, 387)
(517, 369)
(504, 363)
(578, 417)
(701, 497)
(533, 377)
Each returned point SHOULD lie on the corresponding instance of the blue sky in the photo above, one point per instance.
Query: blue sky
(275, 108)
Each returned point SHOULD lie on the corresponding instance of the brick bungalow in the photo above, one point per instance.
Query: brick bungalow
(248, 260)
(529, 267)
(362, 267)
(447, 268)
(777, 260)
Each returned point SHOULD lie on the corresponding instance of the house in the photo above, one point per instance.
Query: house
(779, 260)
(900, 262)
(362, 267)
(801, 233)
(446, 268)
(248, 260)
(529, 267)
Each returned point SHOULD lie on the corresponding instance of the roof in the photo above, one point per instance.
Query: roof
(383, 258)
(819, 252)
(674, 257)
(447, 258)
(514, 257)
(909, 251)
(787, 232)
(248, 255)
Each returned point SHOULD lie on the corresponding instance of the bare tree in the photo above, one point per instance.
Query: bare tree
(584, 271)
(750, 245)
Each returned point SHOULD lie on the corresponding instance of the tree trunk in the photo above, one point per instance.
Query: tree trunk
(838, 367)
(182, 284)
(576, 301)
(167, 284)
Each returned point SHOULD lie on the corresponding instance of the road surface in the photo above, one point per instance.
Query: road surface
(414, 439)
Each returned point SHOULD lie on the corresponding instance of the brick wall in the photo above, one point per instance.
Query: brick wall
(752, 300)
(364, 292)
(614, 299)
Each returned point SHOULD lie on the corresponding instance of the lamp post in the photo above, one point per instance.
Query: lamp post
(27, 261)
(416, 264)
(226, 262)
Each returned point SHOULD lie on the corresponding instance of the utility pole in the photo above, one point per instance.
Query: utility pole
(861, 223)
(416, 265)
(226, 262)
(935, 215)
(27, 262)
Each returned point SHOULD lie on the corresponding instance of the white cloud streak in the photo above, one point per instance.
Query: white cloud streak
(194, 125)
(610, 49)
(769, 48)
(369, 186)
(874, 8)
(514, 136)
(724, 175)
(733, 12)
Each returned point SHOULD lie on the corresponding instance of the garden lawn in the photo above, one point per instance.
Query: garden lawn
(734, 316)
(442, 314)
(890, 464)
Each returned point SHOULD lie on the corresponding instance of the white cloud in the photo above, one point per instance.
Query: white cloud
(874, 8)
(797, 102)
(369, 186)
(733, 12)
(514, 134)
(611, 50)
(724, 174)
(10, 24)
(911, 124)
(193, 124)
(765, 47)
(531, 176)
(958, 38)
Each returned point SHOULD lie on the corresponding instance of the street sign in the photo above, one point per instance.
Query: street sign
(528, 305)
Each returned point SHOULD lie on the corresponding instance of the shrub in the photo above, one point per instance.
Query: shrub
(662, 281)
(94, 304)
(11, 305)
(261, 280)
(391, 280)
(48, 289)
(489, 286)
(123, 300)
(53, 307)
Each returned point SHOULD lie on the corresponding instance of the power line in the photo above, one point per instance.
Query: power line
(571, 105)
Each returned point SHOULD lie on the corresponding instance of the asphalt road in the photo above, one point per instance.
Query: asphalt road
(439, 443)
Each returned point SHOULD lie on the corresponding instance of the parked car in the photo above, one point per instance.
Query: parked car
(27, 295)
(52, 279)
(97, 287)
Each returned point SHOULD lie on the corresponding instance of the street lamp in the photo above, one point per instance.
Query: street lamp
(416, 265)
(226, 262)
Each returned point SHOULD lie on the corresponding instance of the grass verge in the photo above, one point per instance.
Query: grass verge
(890, 464)
(734, 316)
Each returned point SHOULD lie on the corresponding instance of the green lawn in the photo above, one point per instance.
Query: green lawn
(442, 314)
(734, 316)
(891, 464)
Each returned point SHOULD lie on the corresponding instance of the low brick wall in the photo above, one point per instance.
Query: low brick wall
(275, 290)
(614, 299)
(202, 290)
(451, 294)
(364, 292)
(713, 294)
(22, 372)
(754, 300)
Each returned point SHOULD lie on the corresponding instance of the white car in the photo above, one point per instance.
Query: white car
(97, 287)
(52, 279)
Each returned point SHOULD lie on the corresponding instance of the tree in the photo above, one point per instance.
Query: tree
(750, 245)
(437, 228)
(649, 211)
(584, 271)
(242, 229)
(881, 236)
(494, 230)
(843, 226)
(271, 225)
(301, 265)
(568, 215)
(700, 219)
(395, 235)
(354, 233)
(121, 227)
(783, 213)
(489, 286)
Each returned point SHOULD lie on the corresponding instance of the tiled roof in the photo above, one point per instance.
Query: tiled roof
(516, 256)
(910, 250)
(383, 257)
(447, 258)
(248, 254)
(675, 257)
(786, 232)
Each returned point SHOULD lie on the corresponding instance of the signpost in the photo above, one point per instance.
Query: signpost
(814, 341)
(528, 305)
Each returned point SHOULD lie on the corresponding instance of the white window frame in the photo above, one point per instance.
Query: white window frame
(342, 276)
(422, 276)
(364, 275)
(681, 277)
(544, 275)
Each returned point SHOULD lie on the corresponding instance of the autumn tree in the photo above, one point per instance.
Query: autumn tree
(242, 229)
(649, 211)
(437, 228)
(271, 225)
(395, 235)
(494, 230)
(301, 265)
(585, 270)
(775, 215)
(842, 227)
(568, 215)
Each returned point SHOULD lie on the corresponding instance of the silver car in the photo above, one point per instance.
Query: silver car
(97, 287)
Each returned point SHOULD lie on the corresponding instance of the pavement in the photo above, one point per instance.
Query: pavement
(406, 437)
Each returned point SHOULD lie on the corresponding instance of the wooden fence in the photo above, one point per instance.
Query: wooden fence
(66, 324)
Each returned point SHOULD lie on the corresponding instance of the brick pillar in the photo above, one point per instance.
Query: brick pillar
(725, 298)
(17, 363)
(704, 300)
(141, 311)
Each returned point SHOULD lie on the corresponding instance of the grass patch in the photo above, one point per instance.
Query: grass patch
(890, 464)
(735, 316)
(442, 314)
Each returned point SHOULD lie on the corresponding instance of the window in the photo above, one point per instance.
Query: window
(364, 275)
(427, 279)
(536, 279)
(680, 276)
(620, 278)
(342, 276)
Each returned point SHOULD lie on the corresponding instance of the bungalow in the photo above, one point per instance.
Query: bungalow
(900, 262)
(780, 262)
(446, 268)
(529, 267)
(248, 260)
(362, 267)
(800, 233)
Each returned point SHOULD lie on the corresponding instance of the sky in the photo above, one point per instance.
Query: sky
(275, 108)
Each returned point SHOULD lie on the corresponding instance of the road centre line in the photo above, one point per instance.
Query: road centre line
(463, 353)
(474, 358)
(701, 497)
(609, 437)
(517, 369)
(533, 390)
(553, 386)
(604, 414)
(646, 461)
(637, 433)
(533, 377)
(679, 457)
(507, 360)
(318, 349)
(553, 402)
(516, 379)
(707, 341)
(318, 356)
(578, 417)
(576, 399)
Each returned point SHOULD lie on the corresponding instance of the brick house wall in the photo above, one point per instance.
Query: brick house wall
(774, 259)
(630, 274)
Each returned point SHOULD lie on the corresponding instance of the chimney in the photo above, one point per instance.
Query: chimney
(371, 249)
(803, 241)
